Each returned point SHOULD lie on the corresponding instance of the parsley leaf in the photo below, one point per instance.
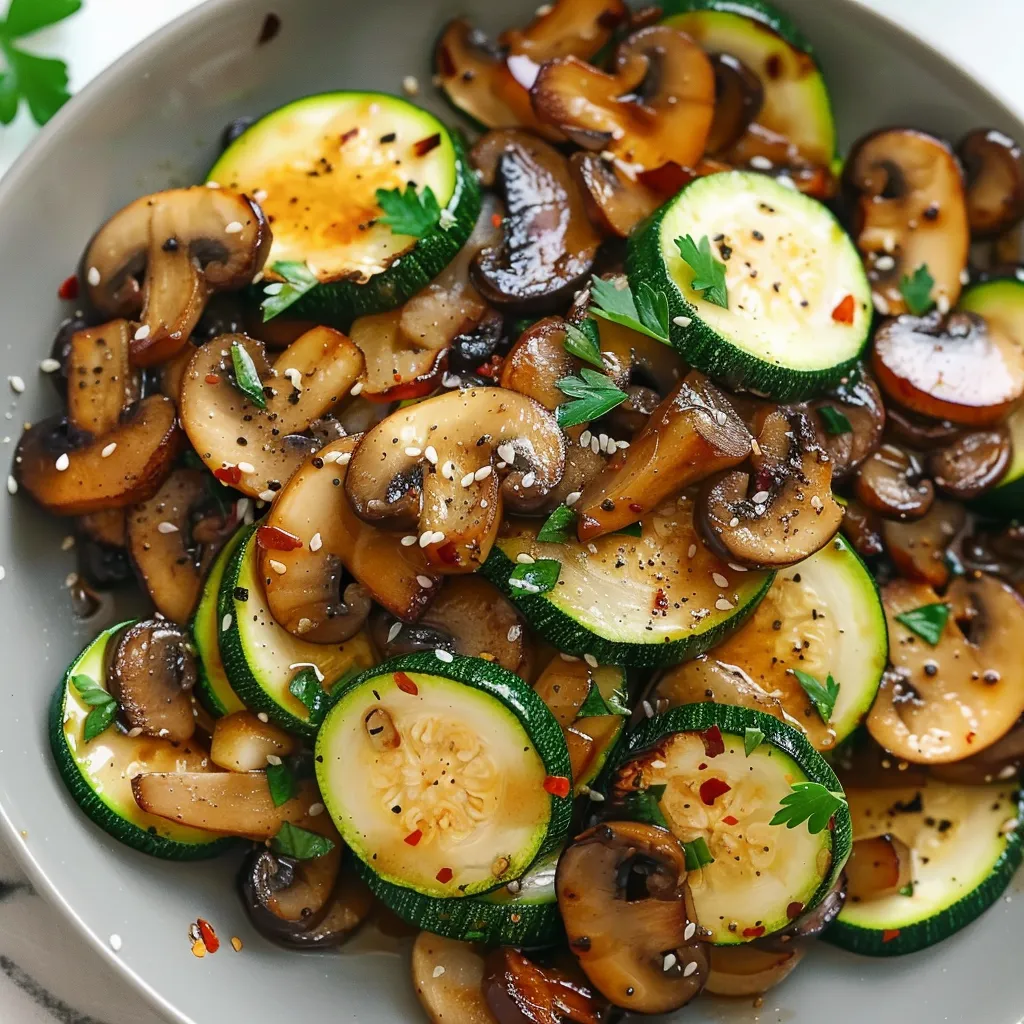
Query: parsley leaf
(823, 696)
(409, 212)
(697, 854)
(810, 802)
(298, 279)
(708, 272)
(535, 577)
(281, 782)
(642, 805)
(306, 686)
(917, 290)
(646, 312)
(104, 707)
(247, 378)
(584, 343)
(557, 526)
(834, 421)
(632, 530)
(752, 739)
(596, 395)
(594, 705)
(27, 16)
(928, 621)
(292, 841)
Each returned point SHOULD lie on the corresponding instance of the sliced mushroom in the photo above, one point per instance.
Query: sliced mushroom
(577, 27)
(435, 464)
(998, 550)
(257, 450)
(739, 96)
(615, 202)
(101, 382)
(863, 529)
(994, 168)
(519, 991)
(859, 402)
(1002, 760)
(71, 473)
(910, 212)
(946, 701)
(160, 258)
(957, 367)
(537, 362)
(973, 464)
(919, 549)
(809, 924)
(241, 742)
(656, 108)
(629, 918)
(890, 483)
(749, 971)
(769, 152)
(564, 686)
(549, 244)
(878, 867)
(922, 433)
(783, 511)
(694, 433)
(469, 616)
(151, 673)
(109, 527)
(312, 537)
(448, 977)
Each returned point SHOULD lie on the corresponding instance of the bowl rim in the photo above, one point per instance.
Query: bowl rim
(930, 52)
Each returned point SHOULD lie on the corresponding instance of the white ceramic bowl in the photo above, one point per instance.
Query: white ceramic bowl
(153, 121)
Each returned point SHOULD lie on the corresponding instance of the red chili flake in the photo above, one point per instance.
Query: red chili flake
(397, 378)
(556, 785)
(660, 600)
(68, 291)
(701, 766)
(713, 742)
(405, 684)
(496, 219)
(228, 475)
(445, 875)
(970, 736)
(890, 933)
(712, 789)
(843, 313)
(448, 553)
(635, 506)
(730, 820)
(753, 933)
(273, 538)
(424, 146)
(212, 378)
(413, 838)
(209, 936)
(794, 910)
(350, 134)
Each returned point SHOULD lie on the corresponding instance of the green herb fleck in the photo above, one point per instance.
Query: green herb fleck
(595, 393)
(928, 621)
(298, 279)
(292, 841)
(409, 212)
(595, 704)
(281, 782)
(584, 343)
(907, 890)
(752, 739)
(104, 707)
(646, 312)
(697, 854)
(917, 290)
(536, 577)
(823, 696)
(810, 802)
(708, 272)
(557, 526)
(306, 686)
(642, 805)
(835, 422)
(632, 530)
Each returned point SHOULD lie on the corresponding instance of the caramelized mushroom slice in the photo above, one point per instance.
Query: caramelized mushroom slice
(1002, 760)
(863, 529)
(257, 450)
(880, 866)
(994, 168)
(957, 367)
(909, 212)
(922, 433)
(809, 925)
(549, 244)
(241, 742)
(859, 403)
(448, 977)
(615, 202)
(109, 527)
(626, 906)
(160, 258)
(656, 108)
(918, 549)
(577, 27)
(436, 463)
(695, 432)
(973, 464)
(564, 686)
(783, 511)
(312, 537)
(518, 991)
(749, 971)
(944, 702)
(151, 673)
(890, 484)
(101, 382)
(739, 96)
(71, 473)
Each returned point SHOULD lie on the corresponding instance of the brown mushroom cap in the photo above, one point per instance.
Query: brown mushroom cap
(921, 433)
(656, 108)
(577, 27)
(626, 907)
(890, 483)
(454, 994)
(549, 244)
(615, 202)
(878, 866)
(973, 464)
(160, 258)
(860, 402)
(241, 742)
(910, 212)
(519, 991)
(438, 463)
(919, 548)
(739, 96)
(863, 529)
(101, 383)
(994, 168)
(749, 970)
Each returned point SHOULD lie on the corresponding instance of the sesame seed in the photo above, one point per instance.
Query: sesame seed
(736, 568)
(506, 452)
(590, 660)
(682, 321)
(596, 797)
(93, 276)
(395, 629)
(108, 450)
(424, 581)
(622, 445)
(438, 971)
(881, 303)
(344, 458)
(294, 376)
(331, 457)
(443, 655)
(134, 732)
(241, 508)
(414, 453)
(514, 633)
(279, 567)
(942, 304)
(273, 759)
(166, 527)
(448, 470)
(234, 228)
(316, 542)
(451, 380)
(263, 717)
(529, 480)
(274, 288)
(720, 580)
(691, 551)
(965, 276)
(115, 942)
(308, 664)
(426, 537)
(585, 439)
(142, 333)
(356, 388)
(648, 710)
(71, 579)
(49, 365)
(483, 503)
(315, 809)
(723, 606)
(213, 184)
(267, 496)
(67, 543)
(225, 623)
(430, 454)
(761, 163)
(884, 262)
(525, 559)
(62, 462)
(668, 962)
(689, 932)
(467, 480)
(17, 384)
(408, 540)
(12, 485)
(246, 467)
(259, 194)
(572, 497)
(602, 440)
(595, 445)
(3, 573)
(689, 968)
(761, 497)
(483, 473)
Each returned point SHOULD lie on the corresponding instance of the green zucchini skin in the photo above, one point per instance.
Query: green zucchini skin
(756, 10)
(563, 632)
(146, 840)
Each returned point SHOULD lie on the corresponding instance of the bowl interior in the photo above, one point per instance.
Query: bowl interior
(154, 121)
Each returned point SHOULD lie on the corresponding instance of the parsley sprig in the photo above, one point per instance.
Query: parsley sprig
(917, 290)
(300, 843)
(583, 342)
(247, 378)
(595, 396)
(645, 311)
(409, 212)
(41, 82)
(823, 695)
(535, 577)
(708, 272)
(928, 621)
(103, 705)
(810, 802)
(297, 279)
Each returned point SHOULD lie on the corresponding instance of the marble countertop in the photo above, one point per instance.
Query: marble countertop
(47, 973)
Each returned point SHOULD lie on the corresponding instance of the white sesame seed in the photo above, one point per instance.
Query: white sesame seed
(67, 543)
(93, 276)
(595, 445)
(309, 664)
(602, 441)
(3, 573)
(411, 86)
(448, 470)
(483, 503)
(442, 655)
(225, 623)
(259, 194)
(234, 228)
(514, 633)
(115, 942)
(761, 163)
(622, 445)
(525, 559)
(108, 450)
(592, 548)
(268, 496)
(529, 479)
(62, 462)
(467, 480)
(668, 962)
(682, 321)
(273, 759)
(413, 453)
(70, 580)
(965, 276)
(691, 551)
(50, 365)
(166, 527)
(263, 717)
(426, 538)
(424, 581)
(658, 764)
(761, 497)
(395, 629)
(1007, 772)
(942, 303)
(506, 452)
(315, 809)
(884, 262)
(572, 497)
(246, 467)
(596, 797)
(439, 969)
(590, 660)
(213, 184)
(344, 458)
(567, 657)
(720, 580)
(17, 384)
(142, 333)
(274, 288)
(356, 388)
(430, 454)
(408, 540)
(134, 732)
(316, 542)
(483, 473)
(331, 457)
(880, 302)
(451, 380)
(648, 710)
(689, 932)
(723, 606)
(12, 485)
(585, 439)
(736, 568)
(689, 968)
(294, 376)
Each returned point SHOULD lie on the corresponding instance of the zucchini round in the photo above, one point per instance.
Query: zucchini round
(645, 601)
(763, 875)
(965, 845)
(263, 660)
(98, 772)
(334, 151)
(464, 723)
(799, 303)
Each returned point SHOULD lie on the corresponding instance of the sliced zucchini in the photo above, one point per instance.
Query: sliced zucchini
(965, 845)
(212, 686)
(332, 152)
(822, 617)
(1001, 302)
(763, 876)
(262, 659)
(447, 778)
(99, 772)
(522, 913)
(796, 103)
(799, 303)
(647, 601)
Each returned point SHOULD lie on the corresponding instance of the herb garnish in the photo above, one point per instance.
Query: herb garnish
(247, 378)
(834, 421)
(646, 312)
(596, 395)
(642, 805)
(298, 279)
(292, 841)
(583, 342)
(104, 707)
(810, 802)
(306, 686)
(917, 290)
(535, 577)
(557, 526)
(409, 212)
(281, 782)
(823, 695)
(752, 739)
(928, 621)
(708, 272)
(597, 704)
(697, 854)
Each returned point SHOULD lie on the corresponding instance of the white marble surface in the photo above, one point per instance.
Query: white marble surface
(47, 973)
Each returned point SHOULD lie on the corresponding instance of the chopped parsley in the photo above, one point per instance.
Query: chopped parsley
(708, 272)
